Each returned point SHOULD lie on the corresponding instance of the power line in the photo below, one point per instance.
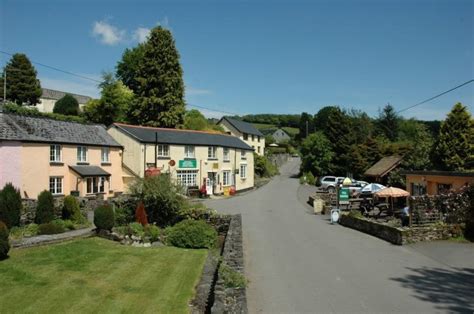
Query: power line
(57, 69)
(214, 110)
(434, 97)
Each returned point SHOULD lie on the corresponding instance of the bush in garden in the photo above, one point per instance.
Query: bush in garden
(161, 198)
(4, 244)
(10, 205)
(196, 212)
(152, 232)
(45, 208)
(53, 227)
(71, 209)
(137, 229)
(140, 214)
(104, 218)
(69, 224)
(123, 215)
(469, 232)
(192, 234)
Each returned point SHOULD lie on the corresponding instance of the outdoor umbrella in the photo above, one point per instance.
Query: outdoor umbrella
(391, 192)
(372, 188)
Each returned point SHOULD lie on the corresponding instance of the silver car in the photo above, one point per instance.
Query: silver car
(329, 183)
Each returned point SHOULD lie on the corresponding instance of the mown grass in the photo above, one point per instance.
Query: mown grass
(99, 276)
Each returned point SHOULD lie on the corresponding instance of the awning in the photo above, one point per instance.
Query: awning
(90, 171)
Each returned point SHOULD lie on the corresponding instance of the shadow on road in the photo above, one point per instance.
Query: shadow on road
(451, 291)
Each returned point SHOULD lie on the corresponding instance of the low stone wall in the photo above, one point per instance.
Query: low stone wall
(279, 159)
(231, 300)
(400, 236)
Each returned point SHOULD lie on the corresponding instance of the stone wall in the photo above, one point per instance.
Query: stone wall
(279, 159)
(402, 235)
(231, 300)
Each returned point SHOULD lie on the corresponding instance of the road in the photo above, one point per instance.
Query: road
(298, 262)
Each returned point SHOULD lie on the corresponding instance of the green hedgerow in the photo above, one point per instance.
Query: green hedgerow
(45, 208)
(52, 227)
(71, 209)
(10, 205)
(104, 217)
(192, 234)
(4, 243)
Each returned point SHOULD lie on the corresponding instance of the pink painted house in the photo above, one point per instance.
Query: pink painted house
(39, 154)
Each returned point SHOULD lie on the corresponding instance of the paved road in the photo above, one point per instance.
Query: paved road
(299, 263)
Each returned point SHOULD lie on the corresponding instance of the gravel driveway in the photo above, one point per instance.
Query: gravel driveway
(299, 263)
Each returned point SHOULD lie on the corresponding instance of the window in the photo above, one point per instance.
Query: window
(258, 138)
(253, 137)
(55, 153)
(189, 151)
(226, 154)
(163, 151)
(105, 154)
(258, 149)
(56, 185)
(226, 178)
(81, 154)
(243, 171)
(212, 152)
(187, 177)
(243, 154)
(246, 136)
(418, 189)
(95, 185)
(444, 188)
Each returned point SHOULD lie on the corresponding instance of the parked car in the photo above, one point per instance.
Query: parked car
(354, 187)
(328, 183)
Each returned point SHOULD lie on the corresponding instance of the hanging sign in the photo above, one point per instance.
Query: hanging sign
(187, 163)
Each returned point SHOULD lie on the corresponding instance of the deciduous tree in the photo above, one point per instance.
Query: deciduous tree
(316, 154)
(67, 105)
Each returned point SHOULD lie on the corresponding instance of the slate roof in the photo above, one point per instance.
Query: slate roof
(181, 137)
(438, 173)
(38, 129)
(90, 171)
(241, 126)
(383, 166)
(56, 95)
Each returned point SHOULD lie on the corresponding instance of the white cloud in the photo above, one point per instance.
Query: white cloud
(108, 34)
(141, 34)
(208, 113)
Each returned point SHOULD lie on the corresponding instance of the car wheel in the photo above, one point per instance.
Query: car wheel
(331, 189)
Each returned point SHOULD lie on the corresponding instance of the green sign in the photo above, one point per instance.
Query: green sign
(344, 194)
(187, 163)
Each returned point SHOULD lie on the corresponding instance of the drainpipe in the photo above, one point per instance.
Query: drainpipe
(144, 161)
(156, 149)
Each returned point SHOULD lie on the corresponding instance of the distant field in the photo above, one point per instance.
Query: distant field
(99, 276)
(289, 130)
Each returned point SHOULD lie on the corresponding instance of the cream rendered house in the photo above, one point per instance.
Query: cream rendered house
(192, 158)
(38, 154)
(49, 97)
(246, 132)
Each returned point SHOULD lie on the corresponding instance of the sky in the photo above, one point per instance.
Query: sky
(248, 57)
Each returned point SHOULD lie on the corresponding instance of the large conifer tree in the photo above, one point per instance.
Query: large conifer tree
(22, 85)
(455, 149)
(160, 91)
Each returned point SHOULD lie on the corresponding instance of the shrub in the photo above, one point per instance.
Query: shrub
(161, 198)
(45, 208)
(192, 234)
(152, 232)
(123, 215)
(231, 278)
(123, 230)
(67, 105)
(10, 205)
(104, 217)
(196, 212)
(4, 243)
(71, 209)
(355, 214)
(264, 167)
(137, 229)
(308, 177)
(69, 224)
(30, 230)
(140, 214)
(53, 227)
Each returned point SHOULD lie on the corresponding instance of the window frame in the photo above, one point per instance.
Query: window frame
(246, 137)
(57, 189)
(243, 171)
(102, 154)
(187, 178)
(226, 178)
(243, 154)
(226, 154)
(55, 150)
(212, 152)
(163, 150)
(187, 149)
(81, 152)
(97, 185)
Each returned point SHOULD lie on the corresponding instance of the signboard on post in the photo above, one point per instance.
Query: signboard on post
(187, 163)
(344, 194)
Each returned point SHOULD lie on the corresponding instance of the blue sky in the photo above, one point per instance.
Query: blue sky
(264, 57)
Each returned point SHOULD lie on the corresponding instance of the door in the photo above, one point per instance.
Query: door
(210, 181)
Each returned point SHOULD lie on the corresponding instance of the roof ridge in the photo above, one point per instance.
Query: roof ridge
(171, 129)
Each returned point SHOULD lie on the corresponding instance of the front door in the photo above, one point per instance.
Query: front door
(211, 179)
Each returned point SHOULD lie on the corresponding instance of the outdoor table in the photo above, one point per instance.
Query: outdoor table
(382, 207)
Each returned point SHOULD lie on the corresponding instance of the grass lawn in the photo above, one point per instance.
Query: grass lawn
(99, 276)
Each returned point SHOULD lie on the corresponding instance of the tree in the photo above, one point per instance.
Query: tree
(67, 105)
(10, 205)
(455, 148)
(321, 118)
(338, 133)
(160, 91)
(306, 125)
(22, 85)
(127, 68)
(420, 142)
(45, 208)
(115, 100)
(316, 154)
(387, 123)
(195, 120)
